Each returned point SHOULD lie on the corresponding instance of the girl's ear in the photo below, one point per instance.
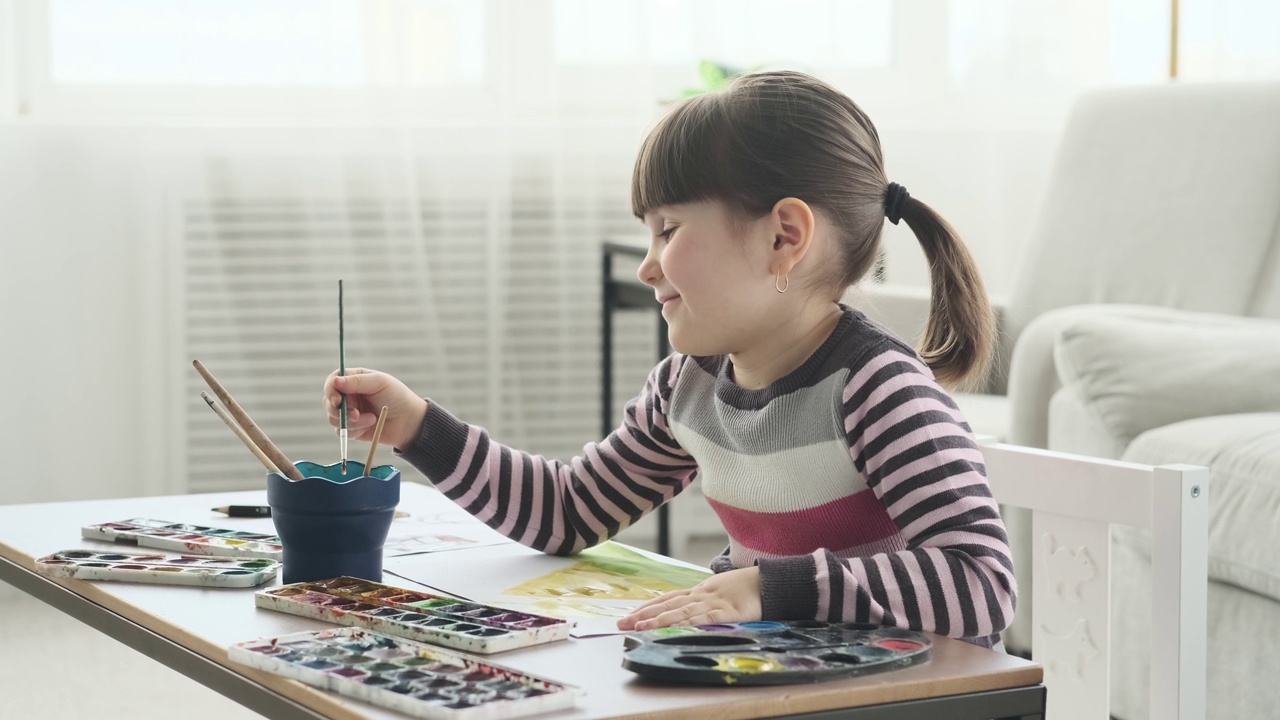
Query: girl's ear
(791, 223)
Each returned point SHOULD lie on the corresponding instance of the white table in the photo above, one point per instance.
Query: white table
(189, 630)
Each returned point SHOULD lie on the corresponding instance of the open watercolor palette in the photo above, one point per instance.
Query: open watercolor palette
(436, 619)
(771, 653)
(158, 568)
(198, 539)
(402, 675)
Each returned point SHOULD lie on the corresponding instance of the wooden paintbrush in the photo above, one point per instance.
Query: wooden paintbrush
(239, 432)
(377, 435)
(279, 459)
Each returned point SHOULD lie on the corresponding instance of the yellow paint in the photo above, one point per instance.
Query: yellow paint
(746, 663)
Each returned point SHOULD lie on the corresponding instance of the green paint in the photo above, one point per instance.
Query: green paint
(672, 631)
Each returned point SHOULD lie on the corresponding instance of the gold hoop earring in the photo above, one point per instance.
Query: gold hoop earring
(785, 285)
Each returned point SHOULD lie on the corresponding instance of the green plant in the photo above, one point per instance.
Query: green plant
(714, 77)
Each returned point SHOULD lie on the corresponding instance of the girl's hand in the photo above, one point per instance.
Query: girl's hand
(732, 596)
(367, 391)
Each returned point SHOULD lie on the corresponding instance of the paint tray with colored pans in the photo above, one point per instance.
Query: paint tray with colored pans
(436, 619)
(406, 676)
(183, 537)
(771, 653)
(158, 568)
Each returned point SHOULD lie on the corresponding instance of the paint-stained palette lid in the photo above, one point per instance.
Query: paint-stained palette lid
(406, 676)
(158, 568)
(414, 614)
(186, 538)
(771, 653)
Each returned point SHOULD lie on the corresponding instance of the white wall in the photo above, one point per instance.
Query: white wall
(78, 312)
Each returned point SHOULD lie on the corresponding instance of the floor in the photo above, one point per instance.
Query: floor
(124, 683)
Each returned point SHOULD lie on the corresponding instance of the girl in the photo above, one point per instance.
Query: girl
(848, 481)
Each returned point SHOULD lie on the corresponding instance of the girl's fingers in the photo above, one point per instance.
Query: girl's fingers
(683, 614)
(662, 599)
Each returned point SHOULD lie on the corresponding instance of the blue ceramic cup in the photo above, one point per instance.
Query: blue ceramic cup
(332, 524)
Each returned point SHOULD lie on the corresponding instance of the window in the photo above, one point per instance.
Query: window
(739, 33)
(285, 43)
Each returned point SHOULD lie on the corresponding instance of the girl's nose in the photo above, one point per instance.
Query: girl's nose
(650, 270)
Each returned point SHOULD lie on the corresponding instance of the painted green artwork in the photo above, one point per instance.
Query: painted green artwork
(610, 572)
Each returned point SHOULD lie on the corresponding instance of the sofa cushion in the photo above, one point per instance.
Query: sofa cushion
(1139, 373)
(1242, 453)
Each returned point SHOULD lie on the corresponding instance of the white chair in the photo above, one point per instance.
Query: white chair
(1162, 207)
(1074, 501)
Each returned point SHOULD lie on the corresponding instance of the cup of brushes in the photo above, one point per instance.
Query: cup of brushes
(332, 520)
(331, 523)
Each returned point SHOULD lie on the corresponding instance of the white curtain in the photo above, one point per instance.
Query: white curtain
(190, 179)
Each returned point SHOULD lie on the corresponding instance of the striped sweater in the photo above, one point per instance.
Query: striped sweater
(853, 482)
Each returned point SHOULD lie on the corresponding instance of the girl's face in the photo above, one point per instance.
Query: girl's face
(711, 275)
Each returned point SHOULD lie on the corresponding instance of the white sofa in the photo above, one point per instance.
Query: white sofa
(1144, 324)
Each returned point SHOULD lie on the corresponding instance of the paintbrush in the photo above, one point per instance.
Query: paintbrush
(239, 432)
(377, 435)
(342, 370)
(279, 459)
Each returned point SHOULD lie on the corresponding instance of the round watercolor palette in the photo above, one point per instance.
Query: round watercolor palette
(184, 537)
(158, 568)
(437, 619)
(405, 676)
(771, 653)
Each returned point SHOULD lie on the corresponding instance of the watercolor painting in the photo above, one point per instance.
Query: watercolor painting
(593, 588)
(610, 572)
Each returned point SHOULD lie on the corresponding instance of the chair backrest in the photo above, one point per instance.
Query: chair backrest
(1074, 500)
(1163, 195)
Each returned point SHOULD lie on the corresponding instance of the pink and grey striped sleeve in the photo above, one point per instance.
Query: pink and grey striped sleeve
(552, 506)
(909, 440)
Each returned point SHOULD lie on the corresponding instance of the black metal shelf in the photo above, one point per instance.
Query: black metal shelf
(617, 294)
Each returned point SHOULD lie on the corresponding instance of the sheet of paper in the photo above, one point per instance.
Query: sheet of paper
(437, 524)
(593, 588)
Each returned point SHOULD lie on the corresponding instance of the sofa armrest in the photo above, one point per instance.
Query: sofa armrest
(1033, 373)
(1135, 372)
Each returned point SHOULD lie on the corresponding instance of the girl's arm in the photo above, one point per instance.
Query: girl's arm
(552, 506)
(907, 437)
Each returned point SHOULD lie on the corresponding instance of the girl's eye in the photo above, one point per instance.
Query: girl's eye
(666, 234)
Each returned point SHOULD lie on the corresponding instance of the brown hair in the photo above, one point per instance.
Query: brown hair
(768, 136)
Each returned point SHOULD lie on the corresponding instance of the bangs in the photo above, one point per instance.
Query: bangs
(681, 159)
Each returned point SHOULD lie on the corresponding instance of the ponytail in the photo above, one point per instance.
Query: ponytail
(960, 334)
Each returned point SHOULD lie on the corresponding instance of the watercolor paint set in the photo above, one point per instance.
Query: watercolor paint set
(158, 568)
(771, 653)
(183, 537)
(405, 676)
(415, 615)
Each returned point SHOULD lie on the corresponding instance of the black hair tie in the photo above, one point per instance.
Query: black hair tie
(895, 197)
